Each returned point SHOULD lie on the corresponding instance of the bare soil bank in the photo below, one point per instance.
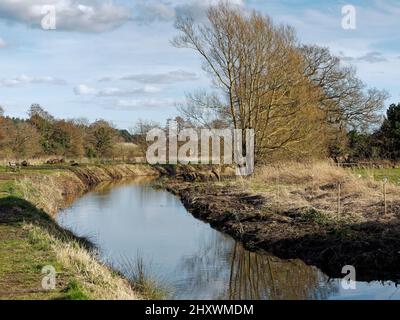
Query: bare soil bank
(370, 243)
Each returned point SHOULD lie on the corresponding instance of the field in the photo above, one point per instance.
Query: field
(393, 175)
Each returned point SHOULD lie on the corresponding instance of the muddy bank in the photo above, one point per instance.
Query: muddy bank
(372, 247)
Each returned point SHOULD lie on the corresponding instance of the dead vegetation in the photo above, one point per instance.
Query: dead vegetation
(326, 187)
(54, 191)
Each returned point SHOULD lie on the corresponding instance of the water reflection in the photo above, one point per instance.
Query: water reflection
(194, 260)
(237, 273)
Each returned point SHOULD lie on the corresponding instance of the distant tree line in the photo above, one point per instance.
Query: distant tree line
(41, 134)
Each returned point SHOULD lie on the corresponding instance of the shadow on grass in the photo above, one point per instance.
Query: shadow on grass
(15, 211)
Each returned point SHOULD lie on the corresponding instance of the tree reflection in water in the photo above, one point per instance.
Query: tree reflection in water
(195, 261)
(223, 269)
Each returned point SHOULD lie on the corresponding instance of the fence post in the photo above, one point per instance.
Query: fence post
(385, 180)
(338, 199)
(278, 191)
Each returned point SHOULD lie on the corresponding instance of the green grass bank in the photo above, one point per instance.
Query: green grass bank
(31, 240)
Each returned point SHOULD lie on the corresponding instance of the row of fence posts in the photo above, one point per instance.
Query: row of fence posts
(339, 191)
(384, 193)
(339, 196)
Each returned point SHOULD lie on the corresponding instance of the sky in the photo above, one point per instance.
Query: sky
(114, 60)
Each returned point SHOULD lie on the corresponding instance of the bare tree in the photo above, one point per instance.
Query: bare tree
(342, 94)
(257, 67)
(291, 95)
(202, 109)
(36, 110)
(139, 131)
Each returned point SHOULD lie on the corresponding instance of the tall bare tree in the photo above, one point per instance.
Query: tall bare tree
(342, 94)
(259, 70)
(291, 95)
(139, 131)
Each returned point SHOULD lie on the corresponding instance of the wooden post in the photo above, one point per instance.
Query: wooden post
(278, 191)
(338, 199)
(384, 195)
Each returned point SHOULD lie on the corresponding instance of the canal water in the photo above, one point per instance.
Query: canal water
(133, 224)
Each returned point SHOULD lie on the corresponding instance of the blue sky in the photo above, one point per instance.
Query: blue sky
(114, 60)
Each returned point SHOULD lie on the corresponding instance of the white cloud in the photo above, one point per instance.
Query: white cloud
(162, 78)
(152, 11)
(24, 79)
(146, 103)
(85, 90)
(110, 92)
(71, 15)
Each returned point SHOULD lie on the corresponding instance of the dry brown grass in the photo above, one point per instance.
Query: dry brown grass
(50, 192)
(55, 190)
(294, 184)
(293, 173)
(97, 280)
